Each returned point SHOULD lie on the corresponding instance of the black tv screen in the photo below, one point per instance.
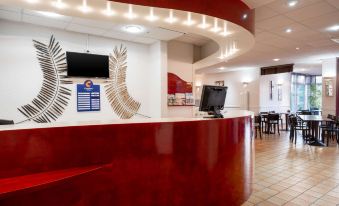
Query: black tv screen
(87, 65)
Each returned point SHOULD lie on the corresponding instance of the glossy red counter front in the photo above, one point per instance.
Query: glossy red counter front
(198, 162)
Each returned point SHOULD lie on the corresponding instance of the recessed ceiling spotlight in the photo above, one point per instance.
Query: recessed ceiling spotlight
(203, 24)
(151, 16)
(297, 48)
(333, 28)
(84, 7)
(289, 30)
(32, 1)
(171, 19)
(225, 31)
(59, 4)
(189, 21)
(134, 29)
(221, 68)
(292, 3)
(276, 60)
(108, 11)
(244, 16)
(49, 14)
(130, 13)
(215, 28)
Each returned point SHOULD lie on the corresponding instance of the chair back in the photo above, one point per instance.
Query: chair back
(257, 119)
(273, 117)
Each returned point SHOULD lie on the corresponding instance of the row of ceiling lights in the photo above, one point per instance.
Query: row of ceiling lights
(130, 14)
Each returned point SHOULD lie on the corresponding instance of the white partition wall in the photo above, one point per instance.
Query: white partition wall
(21, 76)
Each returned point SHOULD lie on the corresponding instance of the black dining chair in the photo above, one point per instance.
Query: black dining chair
(263, 116)
(330, 131)
(273, 122)
(297, 125)
(257, 126)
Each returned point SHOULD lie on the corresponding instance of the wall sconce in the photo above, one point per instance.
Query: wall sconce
(198, 85)
(245, 84)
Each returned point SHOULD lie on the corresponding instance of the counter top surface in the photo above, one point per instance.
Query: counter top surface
(33, 125)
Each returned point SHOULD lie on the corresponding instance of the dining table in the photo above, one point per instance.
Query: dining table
(313, 122)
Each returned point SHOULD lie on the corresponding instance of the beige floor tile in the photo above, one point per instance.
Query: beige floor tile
(285, 196)
(289, 174)
(277, 201)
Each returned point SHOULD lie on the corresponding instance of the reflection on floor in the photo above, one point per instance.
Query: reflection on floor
(289, 174)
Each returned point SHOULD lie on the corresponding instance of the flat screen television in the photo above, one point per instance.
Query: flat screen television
(87, 65)
(213, 100)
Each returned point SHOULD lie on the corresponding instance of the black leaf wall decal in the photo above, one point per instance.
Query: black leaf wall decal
(53, 98)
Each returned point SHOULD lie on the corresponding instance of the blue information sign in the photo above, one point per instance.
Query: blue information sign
(88, 97)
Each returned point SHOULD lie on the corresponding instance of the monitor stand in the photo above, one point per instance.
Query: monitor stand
(216, 113)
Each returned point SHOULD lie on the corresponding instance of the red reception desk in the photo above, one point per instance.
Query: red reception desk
(155, 162)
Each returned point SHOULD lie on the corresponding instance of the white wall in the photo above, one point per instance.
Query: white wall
(266, 104)
(21, 76)
(329, 71)
(236, 95)
(180, 62)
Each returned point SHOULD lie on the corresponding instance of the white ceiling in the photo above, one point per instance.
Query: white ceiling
(309, 21)
(194, 39)
(87, 26)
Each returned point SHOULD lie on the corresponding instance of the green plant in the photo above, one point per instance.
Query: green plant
(315, 96)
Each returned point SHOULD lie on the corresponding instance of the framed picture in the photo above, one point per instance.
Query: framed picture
(219, 83)
(271, 90)
(329, 87)
(180, 92)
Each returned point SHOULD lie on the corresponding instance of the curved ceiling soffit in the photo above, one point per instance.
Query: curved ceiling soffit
(234, 11)
(228, 11)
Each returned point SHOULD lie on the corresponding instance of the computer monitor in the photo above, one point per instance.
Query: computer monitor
(213, 100)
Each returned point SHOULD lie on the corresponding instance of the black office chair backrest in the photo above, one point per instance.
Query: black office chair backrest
(6, 122)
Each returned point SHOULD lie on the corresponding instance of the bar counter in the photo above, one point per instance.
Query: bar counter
(182, 161)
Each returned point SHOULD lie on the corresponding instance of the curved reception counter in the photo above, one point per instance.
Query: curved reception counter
(137, 162)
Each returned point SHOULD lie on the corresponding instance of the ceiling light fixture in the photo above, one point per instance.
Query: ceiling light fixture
(292, 3)
(289, 30)
(59, 4)
(221, 68)
(335, 39)
(276, 60)
(85, 8)
(108, 11)
(32, 1)
(216, 28)
(171, 19)
(130, 14)
(244, 16)
(151, 16)
(297, 48)
(134, 29)
(49, 14)
(333, 28)
(203, 24)
(225, 32)
(189, 21)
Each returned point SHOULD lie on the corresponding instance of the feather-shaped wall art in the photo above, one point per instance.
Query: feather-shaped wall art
(53, 97)
(116, 90)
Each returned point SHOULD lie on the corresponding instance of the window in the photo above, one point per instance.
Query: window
(306, 92)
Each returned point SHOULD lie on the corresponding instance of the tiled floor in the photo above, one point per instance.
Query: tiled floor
(289, 174)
